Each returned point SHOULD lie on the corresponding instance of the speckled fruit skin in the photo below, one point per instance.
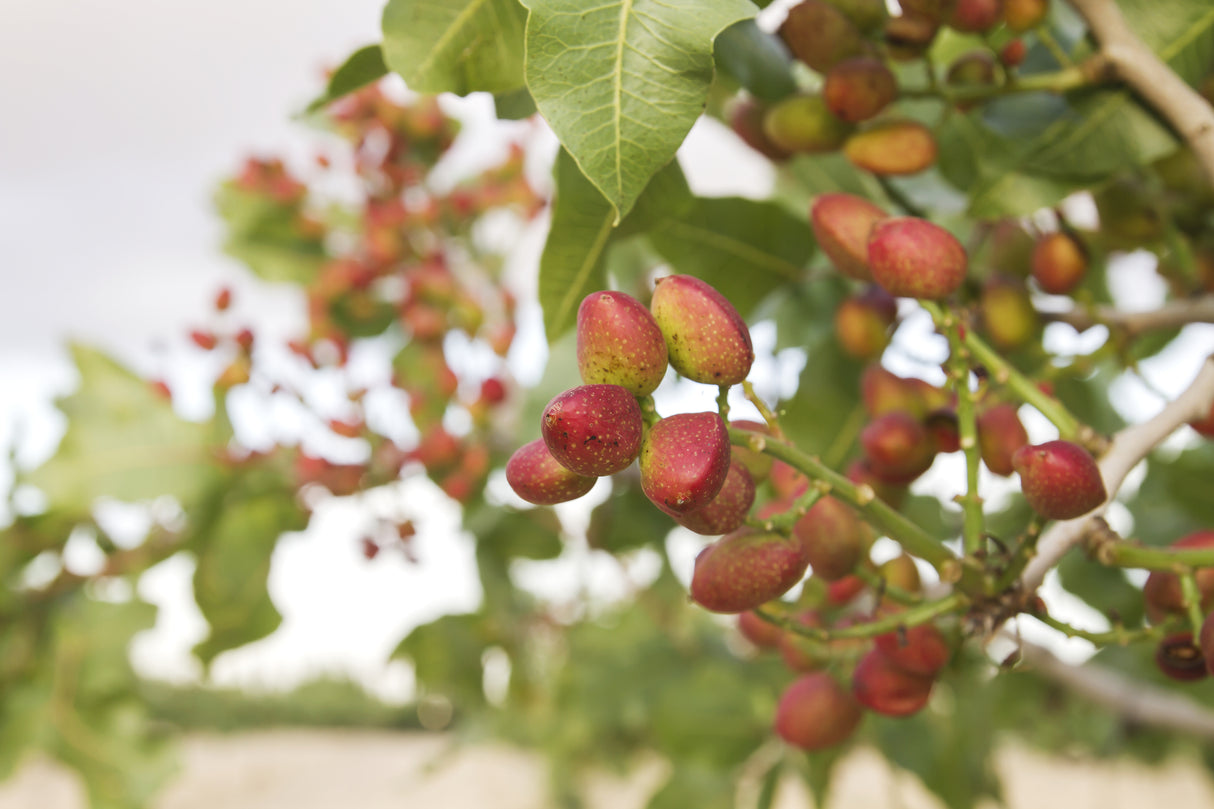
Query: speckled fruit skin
(820, 35)
(593, 429)
(897, 446)
(841, 224)
(619, 343)
(976, 16)
(859, 88)
(745, 569)
(1000, 435)
(912, 258)
(1162, 589)
(727, 511)
(815, 713)
(1059, 263)
(706, 339)
(539, 478)
(863, 323)
(920, 650)
(1059, 479)
(684, 461)
(881, 686)
(833, 536)
(892, 148)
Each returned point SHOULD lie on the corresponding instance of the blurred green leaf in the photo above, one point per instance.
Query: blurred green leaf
(268, 236)
(446, 656)
(361, 68)
(123, 441)
(1174, 498)
(233, 542)
(692, 786)
(530, 534)
(514, 105)
(455, 46)
(1106, 589)
(626, 520)
(756, 60)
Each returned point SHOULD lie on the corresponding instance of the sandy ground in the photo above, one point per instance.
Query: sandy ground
(296, 769)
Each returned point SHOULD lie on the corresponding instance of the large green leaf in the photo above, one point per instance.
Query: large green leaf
(743, 247)
(455, 46)
(234, 543)
(582, 231)
(361, 68)
(621, 82)
(124, 441)
(446, 656)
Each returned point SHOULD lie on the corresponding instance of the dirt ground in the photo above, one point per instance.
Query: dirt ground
(303, 769)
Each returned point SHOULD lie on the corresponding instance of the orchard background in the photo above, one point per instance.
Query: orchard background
(414, 380)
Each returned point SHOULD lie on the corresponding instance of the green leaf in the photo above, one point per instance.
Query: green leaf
(698, 786)
(1174, 498)
(514, 105)
(1106, 589)
(362, 67)
(268, 236)
(94, 721)
(123, 441)
(626, 520)
(530, 534)
(743, 247)
(446, 656)
(573, 263)
(621, 82)
(233, 543)
(455, 46)
(757, 60)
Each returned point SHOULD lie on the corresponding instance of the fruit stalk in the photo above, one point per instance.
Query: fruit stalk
(913, 538)
(1192, 600)
(958, 369)
(910, 617)
(1003, 373)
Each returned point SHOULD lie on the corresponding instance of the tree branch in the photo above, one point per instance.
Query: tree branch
(1126, 697)
(1172, 314)
(1138, 66)
(1127, 448)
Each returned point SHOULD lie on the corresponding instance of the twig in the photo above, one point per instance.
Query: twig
(1172, 314)
(1124, 696)
(1126, 449)
(1138, 66)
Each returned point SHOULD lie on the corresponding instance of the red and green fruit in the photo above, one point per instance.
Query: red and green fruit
(1059, 479)
(593, 430)
(815, 713)
(684, 461)
(746, 569)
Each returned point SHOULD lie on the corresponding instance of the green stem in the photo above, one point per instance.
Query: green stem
(1172, 560)
(958, 369)
(846, 437)
(773, 421)
(913, 538)
(914, 616)
(723, 402)
(1003, 373)
(1118, 635)
(873, 580)
(1192, 600)
(1068, 78)
(784, 521)
(1051, 44)
(899, 197)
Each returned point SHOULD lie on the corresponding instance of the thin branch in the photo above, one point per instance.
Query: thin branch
(1127, 448)
(1172, 314)
(1126, 697)
(1138, 66)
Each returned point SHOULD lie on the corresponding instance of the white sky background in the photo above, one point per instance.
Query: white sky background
(117, 118)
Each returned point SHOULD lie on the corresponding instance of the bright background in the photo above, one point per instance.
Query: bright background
(120, 118)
